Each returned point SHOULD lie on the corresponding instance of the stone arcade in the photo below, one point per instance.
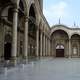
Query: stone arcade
(25, 33)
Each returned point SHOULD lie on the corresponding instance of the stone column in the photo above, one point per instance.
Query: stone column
(26, 39)
(52, 49)
(41, 44)
(69, 48)
(79, 48)
(44, 46)
(37, 43)
(14, 36)
(48, 48)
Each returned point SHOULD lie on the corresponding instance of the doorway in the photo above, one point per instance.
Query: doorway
(60, 51)
(7, 51)
(7, 47)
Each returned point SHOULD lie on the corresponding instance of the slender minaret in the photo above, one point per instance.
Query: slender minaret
(59, 21)
(74, 24)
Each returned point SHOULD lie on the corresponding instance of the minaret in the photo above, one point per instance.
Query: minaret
(59, 21)
(74, 24)
(41, 4)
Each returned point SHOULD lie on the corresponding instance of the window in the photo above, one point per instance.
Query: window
(75, 50)
(60, 47)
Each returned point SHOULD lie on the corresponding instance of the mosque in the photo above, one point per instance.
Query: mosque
(25, 33)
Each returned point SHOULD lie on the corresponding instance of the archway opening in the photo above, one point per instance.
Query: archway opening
(59, 37)
(21, 28)
(59, 51)
(75, 45)
(32, 32)
(7, 51)
(7, 47)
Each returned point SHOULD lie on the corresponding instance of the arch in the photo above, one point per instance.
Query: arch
(59, 27)
(32, 11)
(8, 5)
(60, 38)
(61, 32)
(22, 13)
(77, 36)
(75, 33)
(23, 4)
(36, 12)
(32, 31)
(32, 19)
(75, 44)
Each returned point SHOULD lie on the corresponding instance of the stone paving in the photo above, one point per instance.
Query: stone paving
(45, 69)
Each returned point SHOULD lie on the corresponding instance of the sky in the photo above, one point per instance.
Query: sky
(65, 11)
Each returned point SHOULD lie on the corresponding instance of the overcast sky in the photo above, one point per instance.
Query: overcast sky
(67, 10)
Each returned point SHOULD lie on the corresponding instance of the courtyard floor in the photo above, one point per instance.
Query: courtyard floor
(45, 69)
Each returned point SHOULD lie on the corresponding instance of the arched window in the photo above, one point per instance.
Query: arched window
(74, 50)
(59, 47)
(60, 50)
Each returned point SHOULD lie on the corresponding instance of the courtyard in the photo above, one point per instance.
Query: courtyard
(45, 69)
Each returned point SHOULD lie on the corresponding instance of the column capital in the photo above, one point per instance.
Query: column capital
(26, 18)
(41, 44)
(15, 10)
(15, 3)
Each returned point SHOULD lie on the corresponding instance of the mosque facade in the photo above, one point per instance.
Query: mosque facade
(25, 33)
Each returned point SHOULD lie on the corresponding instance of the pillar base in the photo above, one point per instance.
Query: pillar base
(13, 61)
(66, 56)
(25, 59)
(69, 56)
